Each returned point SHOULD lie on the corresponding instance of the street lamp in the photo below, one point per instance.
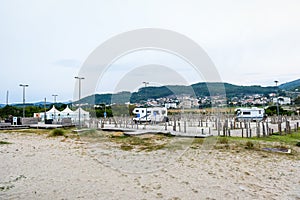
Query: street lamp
(276, 82)
(54, 95)
(146, 83)
(79, 96)
(24, 86)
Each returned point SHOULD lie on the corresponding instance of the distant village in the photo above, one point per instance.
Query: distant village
(188, 102)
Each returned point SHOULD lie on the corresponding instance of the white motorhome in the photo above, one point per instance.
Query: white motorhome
(249, 114)
(154, 114)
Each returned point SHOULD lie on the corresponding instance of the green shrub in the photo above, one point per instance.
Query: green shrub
(298, 144)
(223, 140)
(56, 132)
(249, 145)
(4, 142)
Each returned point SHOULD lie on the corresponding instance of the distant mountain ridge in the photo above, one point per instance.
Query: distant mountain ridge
(196, 90)
(290, 85)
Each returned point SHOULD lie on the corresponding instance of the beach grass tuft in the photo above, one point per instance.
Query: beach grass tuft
(249, 145)
(56, 132)
(4, 142)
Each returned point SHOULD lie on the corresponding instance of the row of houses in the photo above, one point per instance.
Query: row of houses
(192, 102)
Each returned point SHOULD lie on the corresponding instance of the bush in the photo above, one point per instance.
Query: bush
(4, 142)
(57, 132)
(249, 145)
(223, 140)
(298, 144)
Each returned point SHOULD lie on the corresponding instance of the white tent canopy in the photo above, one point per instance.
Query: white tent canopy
(55, 114)
(84, 115)
(67, 113)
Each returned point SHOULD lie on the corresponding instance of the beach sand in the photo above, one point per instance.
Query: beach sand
(39, 167)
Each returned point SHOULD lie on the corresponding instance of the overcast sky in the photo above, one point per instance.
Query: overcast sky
(44, 43)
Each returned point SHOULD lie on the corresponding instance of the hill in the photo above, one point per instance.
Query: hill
(196, 90)
(290, 85)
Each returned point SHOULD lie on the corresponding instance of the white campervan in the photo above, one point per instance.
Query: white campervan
(249, 114)
(154, 114)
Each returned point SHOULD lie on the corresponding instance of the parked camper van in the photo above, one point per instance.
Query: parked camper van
(249, 114)
(154, 114)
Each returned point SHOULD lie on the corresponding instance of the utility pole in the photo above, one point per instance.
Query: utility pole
(7, 97)
(54, 95)
(45, 113)
(79, 96)
(24, 86)
(146, 83)
(276, 82)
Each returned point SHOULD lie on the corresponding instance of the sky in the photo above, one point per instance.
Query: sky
(45, 43)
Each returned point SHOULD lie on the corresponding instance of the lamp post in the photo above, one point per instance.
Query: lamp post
(45, 113)
(79, 96)
(54, 95)
(24, 86)
(276, 82)
(146, 83)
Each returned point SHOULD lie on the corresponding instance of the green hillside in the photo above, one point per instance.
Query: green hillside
(196, 90)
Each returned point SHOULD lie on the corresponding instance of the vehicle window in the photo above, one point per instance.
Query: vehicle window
(246, 113)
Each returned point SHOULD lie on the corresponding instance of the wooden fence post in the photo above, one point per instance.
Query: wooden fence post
(242, 132)
(263, 129)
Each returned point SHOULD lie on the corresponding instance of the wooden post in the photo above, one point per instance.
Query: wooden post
(257, 129)
(102, 123)
(216, 124)
(288, 126)
(174, 127)
(242, 132)
(263, 129)
(279, 128)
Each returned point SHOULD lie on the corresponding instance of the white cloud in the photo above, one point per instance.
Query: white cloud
(241, 37)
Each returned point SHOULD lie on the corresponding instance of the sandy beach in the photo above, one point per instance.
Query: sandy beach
(39, 167)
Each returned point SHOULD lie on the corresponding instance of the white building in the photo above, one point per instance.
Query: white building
(170, 105)
(282, 100)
